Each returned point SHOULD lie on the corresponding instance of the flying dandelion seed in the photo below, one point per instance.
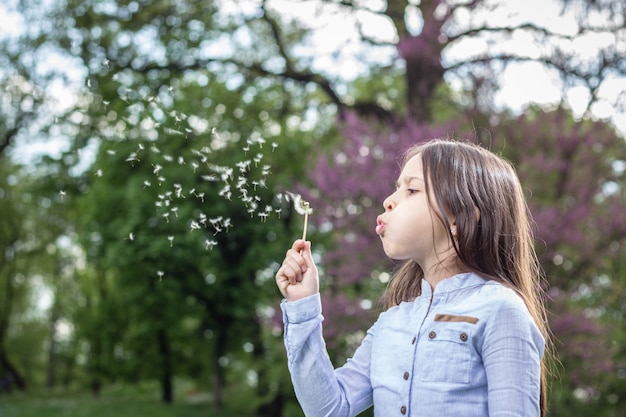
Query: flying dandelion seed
(160, 274)
(153, 115)
(62, 194)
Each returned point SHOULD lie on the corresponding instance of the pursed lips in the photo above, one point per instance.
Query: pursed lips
(380, 226)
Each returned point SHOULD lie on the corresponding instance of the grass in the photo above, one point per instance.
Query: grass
(98, 407)
(113, 402)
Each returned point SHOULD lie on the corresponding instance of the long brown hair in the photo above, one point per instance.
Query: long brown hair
(494, 237)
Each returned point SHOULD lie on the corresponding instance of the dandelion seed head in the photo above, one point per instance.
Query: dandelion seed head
(301, 206)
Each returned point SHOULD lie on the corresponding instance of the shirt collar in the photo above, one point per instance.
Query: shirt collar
(453, 283)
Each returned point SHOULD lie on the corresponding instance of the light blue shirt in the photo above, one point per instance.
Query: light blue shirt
(468, 349)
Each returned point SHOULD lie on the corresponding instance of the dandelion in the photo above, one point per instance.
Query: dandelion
(146, 183)
(171, 239)
(174, 210)
(274, 146)
(302, 207)
(98, 173)
(62, 194)
(156, 169)
(208, 244)
(160, 274)
(194, 225)
(131, 236)
(166, 216)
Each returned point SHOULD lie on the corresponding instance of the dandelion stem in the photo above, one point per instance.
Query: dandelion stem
(305, 205)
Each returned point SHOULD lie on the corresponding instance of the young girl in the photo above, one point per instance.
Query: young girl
(465, 328)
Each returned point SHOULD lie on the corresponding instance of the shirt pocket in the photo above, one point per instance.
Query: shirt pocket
(447, 355)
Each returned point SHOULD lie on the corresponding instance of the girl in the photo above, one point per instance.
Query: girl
(465, 328)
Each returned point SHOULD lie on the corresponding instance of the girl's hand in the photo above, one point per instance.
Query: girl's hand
(298, 277)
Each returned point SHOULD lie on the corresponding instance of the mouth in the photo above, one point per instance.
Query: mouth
(380, 227)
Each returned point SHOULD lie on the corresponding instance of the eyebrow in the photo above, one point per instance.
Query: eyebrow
(407, 180)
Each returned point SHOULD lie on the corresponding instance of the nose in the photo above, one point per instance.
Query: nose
(388, 203)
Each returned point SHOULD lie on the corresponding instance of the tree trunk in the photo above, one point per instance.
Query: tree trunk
(167, 373)
(51, 368)
(219, 373)
(9, 373)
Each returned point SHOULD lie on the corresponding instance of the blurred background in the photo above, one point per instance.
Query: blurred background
(147, 149)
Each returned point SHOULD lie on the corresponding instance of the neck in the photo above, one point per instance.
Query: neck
(443, 270)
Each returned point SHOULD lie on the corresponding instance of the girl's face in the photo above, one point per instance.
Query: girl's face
(409, 228)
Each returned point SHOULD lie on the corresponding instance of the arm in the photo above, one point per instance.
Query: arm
(321, 390)
(512, 352)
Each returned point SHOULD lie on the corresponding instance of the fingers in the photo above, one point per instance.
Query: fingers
(294, 264)
(298, 264)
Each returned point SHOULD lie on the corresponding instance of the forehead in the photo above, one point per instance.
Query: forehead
(413, 168)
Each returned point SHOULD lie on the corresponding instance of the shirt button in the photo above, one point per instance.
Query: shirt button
(463, 337)
(403, 410)
(406, 375)
(432, 335)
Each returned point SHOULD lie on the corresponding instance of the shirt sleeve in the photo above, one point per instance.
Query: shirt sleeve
(321, 390)
(512, 351)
